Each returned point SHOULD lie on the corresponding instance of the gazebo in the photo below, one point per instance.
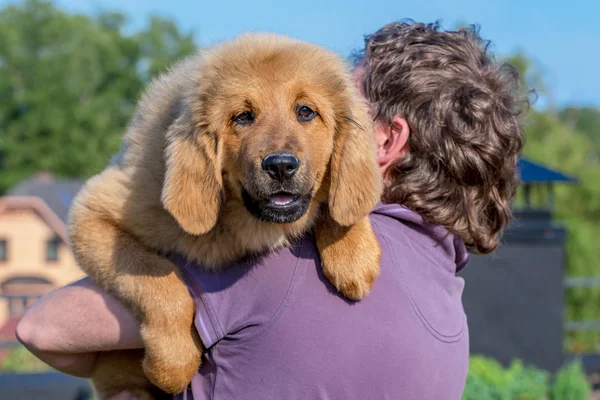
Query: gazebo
(514, 297)
(534, 176)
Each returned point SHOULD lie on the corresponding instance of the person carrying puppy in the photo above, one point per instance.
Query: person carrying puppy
(448, 141)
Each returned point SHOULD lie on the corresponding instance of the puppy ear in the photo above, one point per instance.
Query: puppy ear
(192, 187)
(356, 182)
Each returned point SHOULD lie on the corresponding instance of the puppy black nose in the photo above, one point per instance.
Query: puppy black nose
(280, 166)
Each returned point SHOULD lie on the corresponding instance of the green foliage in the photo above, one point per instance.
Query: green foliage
(69, 83)
(20, 360)
(488, 380)
(570, 383)
(527, 383)
(587, 121)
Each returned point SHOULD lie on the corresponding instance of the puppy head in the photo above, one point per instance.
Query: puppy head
(274, 124)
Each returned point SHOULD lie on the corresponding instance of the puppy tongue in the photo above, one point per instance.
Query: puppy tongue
(281, 199)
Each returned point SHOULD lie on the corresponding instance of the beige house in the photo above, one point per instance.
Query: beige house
(34, 254)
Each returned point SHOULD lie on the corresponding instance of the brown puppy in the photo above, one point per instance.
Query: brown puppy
(232, 152)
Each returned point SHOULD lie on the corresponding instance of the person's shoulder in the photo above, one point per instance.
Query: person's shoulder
(403, 231)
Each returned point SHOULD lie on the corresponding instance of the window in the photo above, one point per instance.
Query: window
(3, 250)
(52, 249)
(17, 306)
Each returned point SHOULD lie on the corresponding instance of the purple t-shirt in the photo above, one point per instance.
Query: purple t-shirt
(276, 329)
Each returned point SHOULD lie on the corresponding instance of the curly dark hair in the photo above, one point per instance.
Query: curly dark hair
(463, 110)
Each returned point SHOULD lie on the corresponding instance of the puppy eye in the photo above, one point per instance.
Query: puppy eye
(305, 113)
(245, 118)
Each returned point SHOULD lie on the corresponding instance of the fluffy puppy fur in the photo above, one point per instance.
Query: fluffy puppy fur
(192, 179)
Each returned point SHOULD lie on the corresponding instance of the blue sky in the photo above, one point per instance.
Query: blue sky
(562, 37)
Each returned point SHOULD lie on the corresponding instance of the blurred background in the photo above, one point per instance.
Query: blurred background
(72, 70)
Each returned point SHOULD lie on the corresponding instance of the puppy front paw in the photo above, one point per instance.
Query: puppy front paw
(172, 357)
(350, 257)
(354, 280)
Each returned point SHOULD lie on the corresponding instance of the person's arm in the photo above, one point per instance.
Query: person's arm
(68, 327)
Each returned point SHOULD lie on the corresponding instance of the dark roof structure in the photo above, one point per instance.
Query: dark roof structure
(532, 172)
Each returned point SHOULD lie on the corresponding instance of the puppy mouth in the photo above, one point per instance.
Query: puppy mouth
(280, 207)
(283, 199)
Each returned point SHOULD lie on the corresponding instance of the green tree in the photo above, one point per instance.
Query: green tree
(69, 83)
(587, 121)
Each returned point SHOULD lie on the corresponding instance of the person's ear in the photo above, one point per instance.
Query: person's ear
(392, 141)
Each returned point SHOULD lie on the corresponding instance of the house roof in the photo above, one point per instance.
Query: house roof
(56, 193)
(40, 207)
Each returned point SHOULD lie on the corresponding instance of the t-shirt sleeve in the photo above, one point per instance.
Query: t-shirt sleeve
(238, 302)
